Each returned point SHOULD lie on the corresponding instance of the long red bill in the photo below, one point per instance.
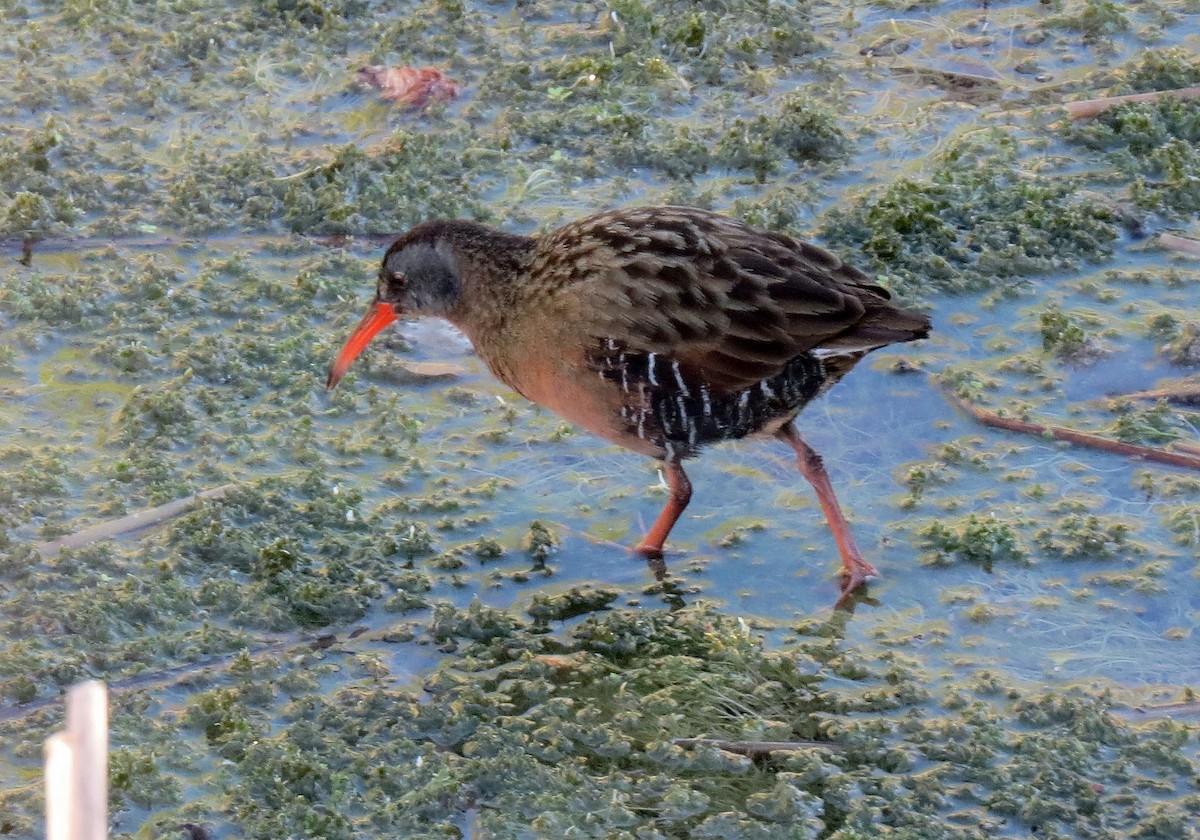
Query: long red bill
(378, 316)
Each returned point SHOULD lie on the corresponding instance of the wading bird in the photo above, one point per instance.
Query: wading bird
(661, 329)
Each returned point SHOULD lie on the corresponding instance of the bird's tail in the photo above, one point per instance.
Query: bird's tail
(880, 327)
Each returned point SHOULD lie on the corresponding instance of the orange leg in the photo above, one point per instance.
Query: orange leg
(681, 493)
(857, 570)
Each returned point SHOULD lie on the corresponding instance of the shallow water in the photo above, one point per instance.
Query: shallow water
(136, 369)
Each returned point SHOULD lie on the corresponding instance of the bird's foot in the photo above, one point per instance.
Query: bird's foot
(653, 555)
(856, 574)
(854, 580)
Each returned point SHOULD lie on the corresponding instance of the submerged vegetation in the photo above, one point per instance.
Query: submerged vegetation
(576, 737)
(414, 615)
(591, 733)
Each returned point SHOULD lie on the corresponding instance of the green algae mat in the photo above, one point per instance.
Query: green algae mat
(413, 613)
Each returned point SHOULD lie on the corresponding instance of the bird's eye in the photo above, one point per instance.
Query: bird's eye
(398, 276)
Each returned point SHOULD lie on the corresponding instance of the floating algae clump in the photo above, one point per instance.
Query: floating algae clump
(43, 194)
(1155, 144)
(800, 131)
(1160, 70)
(976, 539)
(975, 223)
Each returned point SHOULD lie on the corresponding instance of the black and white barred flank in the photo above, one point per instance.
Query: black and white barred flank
(677, 411)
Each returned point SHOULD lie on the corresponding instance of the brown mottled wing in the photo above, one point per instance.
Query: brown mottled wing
(728, 302)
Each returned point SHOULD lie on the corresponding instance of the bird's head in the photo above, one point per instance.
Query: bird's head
(419, 276)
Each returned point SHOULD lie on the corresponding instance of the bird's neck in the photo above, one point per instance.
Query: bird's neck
(489, 264)
(493, 270)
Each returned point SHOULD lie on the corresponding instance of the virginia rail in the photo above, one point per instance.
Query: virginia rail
(661, 329)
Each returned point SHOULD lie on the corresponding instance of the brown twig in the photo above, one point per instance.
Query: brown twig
(1181, 244)
(129, 524)
(1184, 393)
(28, 247)
(1092, 107)
(755, 749)
(1133, 450)
(1167, 710)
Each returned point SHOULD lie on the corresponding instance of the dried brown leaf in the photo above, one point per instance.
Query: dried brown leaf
(413, 87)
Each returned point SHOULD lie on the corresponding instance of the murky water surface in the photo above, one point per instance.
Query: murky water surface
(175, 169)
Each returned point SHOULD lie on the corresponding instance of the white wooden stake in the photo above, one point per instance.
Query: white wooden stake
(77, 768)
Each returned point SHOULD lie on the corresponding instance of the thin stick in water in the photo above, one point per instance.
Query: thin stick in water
(1181, 244)
(129, 524)
(1150, 453)
(1092, 107)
